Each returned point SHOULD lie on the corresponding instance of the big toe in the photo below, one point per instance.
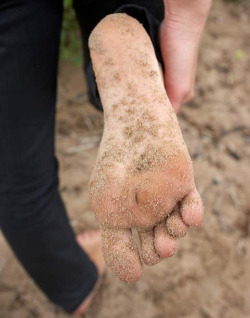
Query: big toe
(121, 254)
(165, 244)
(192, 209)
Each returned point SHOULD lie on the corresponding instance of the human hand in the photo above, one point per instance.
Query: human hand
(179, 36)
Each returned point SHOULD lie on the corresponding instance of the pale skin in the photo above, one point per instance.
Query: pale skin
(179, 36)
(132, 187)
(143, 170)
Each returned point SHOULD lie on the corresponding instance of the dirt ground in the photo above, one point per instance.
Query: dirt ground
(210, 276)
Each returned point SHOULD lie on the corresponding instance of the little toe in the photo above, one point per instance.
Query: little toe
(165, 244)
(148, 252)
(192, 209)
(175, 225)
(121, 254)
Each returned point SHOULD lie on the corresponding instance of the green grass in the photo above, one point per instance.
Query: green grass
(71, 45)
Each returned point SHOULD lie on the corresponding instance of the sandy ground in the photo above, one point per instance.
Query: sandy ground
(209, 277)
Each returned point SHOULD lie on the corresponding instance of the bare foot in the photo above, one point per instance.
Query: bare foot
(143, 176)
(90, 241)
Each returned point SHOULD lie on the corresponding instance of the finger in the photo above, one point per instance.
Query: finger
(121, 254)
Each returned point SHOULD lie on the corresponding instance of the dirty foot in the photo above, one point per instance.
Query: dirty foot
(90, 241)
(143, 176)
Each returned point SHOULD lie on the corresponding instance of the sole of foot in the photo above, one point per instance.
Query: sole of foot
(143, 176)
(90, 242)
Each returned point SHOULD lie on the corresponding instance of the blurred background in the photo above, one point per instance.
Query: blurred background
(209, 277)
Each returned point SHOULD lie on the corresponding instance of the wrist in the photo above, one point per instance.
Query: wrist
(190, 15)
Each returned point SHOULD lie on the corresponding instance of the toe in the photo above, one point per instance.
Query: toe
(148, 252)
(165, 244)
(175, 225)
(192, 209)
(121, 254)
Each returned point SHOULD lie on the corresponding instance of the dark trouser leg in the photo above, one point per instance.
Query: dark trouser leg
(89, 12)
(32, 216)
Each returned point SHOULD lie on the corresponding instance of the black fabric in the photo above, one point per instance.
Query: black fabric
(32, 215)
(149, 13)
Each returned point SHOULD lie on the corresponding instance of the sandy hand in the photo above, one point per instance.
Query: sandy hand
(143, 175)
